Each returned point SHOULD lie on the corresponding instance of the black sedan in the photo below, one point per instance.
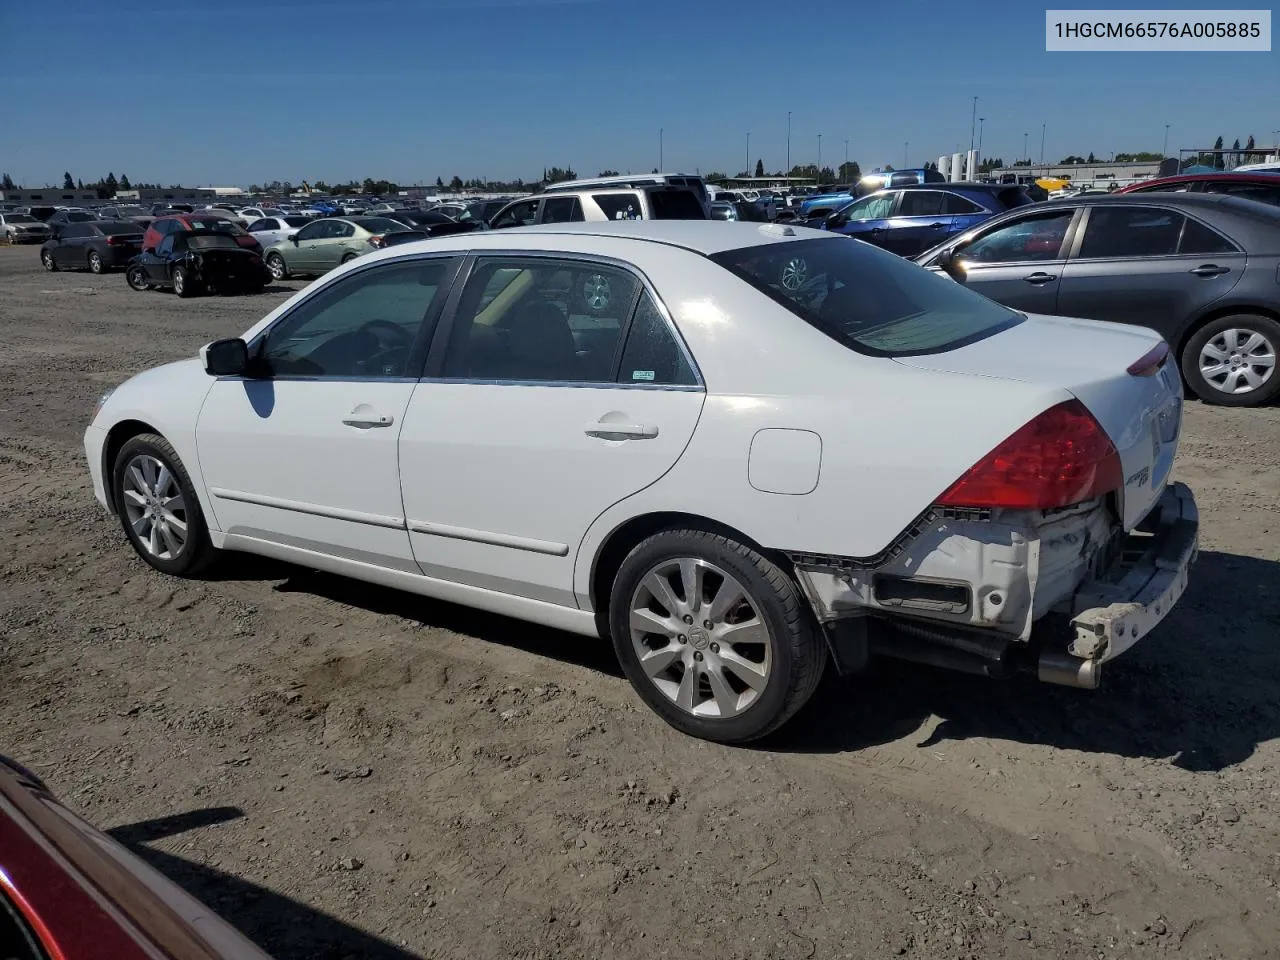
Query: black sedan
(96, 245)
(1202, 270)
(192, 261)
(431, 223)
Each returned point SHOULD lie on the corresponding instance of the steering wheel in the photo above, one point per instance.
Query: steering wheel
(399, 336)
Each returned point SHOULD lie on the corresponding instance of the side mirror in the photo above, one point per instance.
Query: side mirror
(293, 238)
(836, 220)
(946, 261)
(225, 358)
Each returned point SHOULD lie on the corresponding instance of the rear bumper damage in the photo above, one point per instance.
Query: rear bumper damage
(1054, 594)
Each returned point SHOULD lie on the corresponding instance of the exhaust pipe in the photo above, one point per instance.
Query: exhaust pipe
(1061, 668)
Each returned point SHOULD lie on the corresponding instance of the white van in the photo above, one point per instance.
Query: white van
(607, 203)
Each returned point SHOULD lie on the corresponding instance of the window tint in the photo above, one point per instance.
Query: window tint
(540, 320)
(296, 221)
(1250, 191)
(652, 354)
(920, 203)
(1115, 232)
(1014, 197)
(263, 224)
(619, 206)
(73, 230)
(340, 229)
(312, 231)
(902, 179)
(953, 203)
(875, 207)
(116, 227)
(676, 205)
(364, 326)
(1033, 238)
(517, 215)
(868, 299)
(166, 245)
(561, 210)
(1197, 238)
(1168, 188)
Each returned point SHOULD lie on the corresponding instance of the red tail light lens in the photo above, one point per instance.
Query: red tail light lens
(1150, 362)
(377, 242)
(1061, 457)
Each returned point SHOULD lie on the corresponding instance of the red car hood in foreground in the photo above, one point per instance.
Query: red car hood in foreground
(85, 897)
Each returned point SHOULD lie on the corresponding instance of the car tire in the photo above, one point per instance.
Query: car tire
(279, 269)
(182, 284)
(739, 689)
(1223, 358)
(148, 476)
(347, 258)
(95, 263)
(136, 277)
(46, 260)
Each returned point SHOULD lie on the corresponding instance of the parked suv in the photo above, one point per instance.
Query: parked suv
(637, 203)
(911, 219)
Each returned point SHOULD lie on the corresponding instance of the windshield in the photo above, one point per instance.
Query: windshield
(19, 218)
(868, 299)
(130, 212)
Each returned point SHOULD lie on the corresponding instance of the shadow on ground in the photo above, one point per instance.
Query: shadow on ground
(1201, 689)
(282, 927)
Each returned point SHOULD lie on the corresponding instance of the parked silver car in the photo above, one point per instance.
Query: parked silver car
(23, 228)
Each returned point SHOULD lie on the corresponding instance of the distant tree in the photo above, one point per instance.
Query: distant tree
(124, 182)
(320, 187)
(654, 170)
(1072, 158)
(607, 173)
(557, 175)
(79, 184)
(1090, 158)
(67, 182)
(1236, 159)
(759, 168)
(1219, 161)
(1248, 148)
(888, 168)
(715, 176)
(850, 172)
(455, 184)
(1025, 162)
(439, 184)
(6, 183)
(109, 187)
(826, 175)
(995, 163)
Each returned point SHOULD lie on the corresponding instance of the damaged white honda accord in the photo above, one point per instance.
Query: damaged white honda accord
(740, 452)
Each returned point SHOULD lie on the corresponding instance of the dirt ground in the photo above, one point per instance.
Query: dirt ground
(344, 771)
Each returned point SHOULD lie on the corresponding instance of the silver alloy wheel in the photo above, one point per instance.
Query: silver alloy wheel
(137, 278)
(700, 638)
(597, 292)
(1237, 360)
(46, 258)
(155, 507)
(275, 263)
(795, 272)
(95, 263)
(179, 281)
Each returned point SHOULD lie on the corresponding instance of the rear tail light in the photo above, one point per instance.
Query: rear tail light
(1149, 364)
(1061, 457)
(377, 242)
(115, 240)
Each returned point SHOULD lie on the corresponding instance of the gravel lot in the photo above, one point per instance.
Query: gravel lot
(343, 771)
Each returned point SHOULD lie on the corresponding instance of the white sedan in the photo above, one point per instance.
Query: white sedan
(269, 230)
(738, 451)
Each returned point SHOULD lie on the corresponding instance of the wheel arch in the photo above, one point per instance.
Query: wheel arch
(1217, 312)
(624, 538)
(120, 434)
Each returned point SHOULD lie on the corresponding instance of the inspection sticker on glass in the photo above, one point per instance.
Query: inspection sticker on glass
(642, 375)
(1167, 31)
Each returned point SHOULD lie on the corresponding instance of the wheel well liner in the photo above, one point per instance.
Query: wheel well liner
(624, 538)
(117, 437)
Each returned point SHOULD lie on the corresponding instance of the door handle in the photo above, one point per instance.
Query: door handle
(936, 226)
(366, 421)
(1210, 270)
(628, 431)
(1038, 278)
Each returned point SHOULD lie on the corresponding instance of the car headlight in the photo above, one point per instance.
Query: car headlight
(97, 407)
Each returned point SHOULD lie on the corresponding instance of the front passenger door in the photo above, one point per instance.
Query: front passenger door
(305, 254)
(519, 214)
(303, 458)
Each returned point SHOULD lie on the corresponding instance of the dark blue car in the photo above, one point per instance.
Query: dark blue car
(911, 219)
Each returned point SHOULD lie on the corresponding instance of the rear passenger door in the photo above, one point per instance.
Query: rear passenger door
(1147, 265)
(561, 210)
(918, 224)
(558, 388)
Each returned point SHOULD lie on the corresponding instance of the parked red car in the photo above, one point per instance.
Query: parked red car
(163, 226)
(68, 892)
(1252, 186)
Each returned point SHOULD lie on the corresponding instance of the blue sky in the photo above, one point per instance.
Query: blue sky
(243, 91)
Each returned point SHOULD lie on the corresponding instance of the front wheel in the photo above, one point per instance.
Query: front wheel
(182, 284)
(47, 261)
(136, 277)
(1232, 360)
(276, 264)
(158, 508)
(713, 635)
(95, 263)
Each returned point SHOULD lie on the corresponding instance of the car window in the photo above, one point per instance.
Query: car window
(868, 299)
(875, 207)
(1197, 238)
(954, 204)
(1115, 232)
(340, 229)
(652, 354)
(675, 205)
(540, 320)
(363, 326)
(295, 221)
(1168, 188)
(920, 203)
(166, 245)
(517, 215)
(263, 224)
(312, 231)
(562, 210)
(619, 206)
(1263, 192)
(72, 231)
(1031, 238)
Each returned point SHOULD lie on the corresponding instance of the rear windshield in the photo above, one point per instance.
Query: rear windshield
(113, 227)
(211, 241)
(676, 205)
(1014, 197)
(216, 225)
(296, 221)
(381, 225)
(868, 299)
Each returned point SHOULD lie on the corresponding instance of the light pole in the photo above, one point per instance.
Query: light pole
(661, 165)
(1164, 151)
(819, 158)
(748, 167)
(1043, 127)
(1025, 155)
(973, 122)
(846, 152)
(788, 143)
(981, 120)
(906, 144)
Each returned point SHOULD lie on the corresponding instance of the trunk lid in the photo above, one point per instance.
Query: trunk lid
(1141, 414)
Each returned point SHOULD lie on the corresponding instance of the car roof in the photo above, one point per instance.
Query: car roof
(1260, 176)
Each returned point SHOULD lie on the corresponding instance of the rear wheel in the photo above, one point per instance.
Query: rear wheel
(136, 277)
(1232, 360)
(158, 507)
(347, 258)
(713, 635)
(276, 264)
(95, 262)
(182, 284)
(46, 259)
